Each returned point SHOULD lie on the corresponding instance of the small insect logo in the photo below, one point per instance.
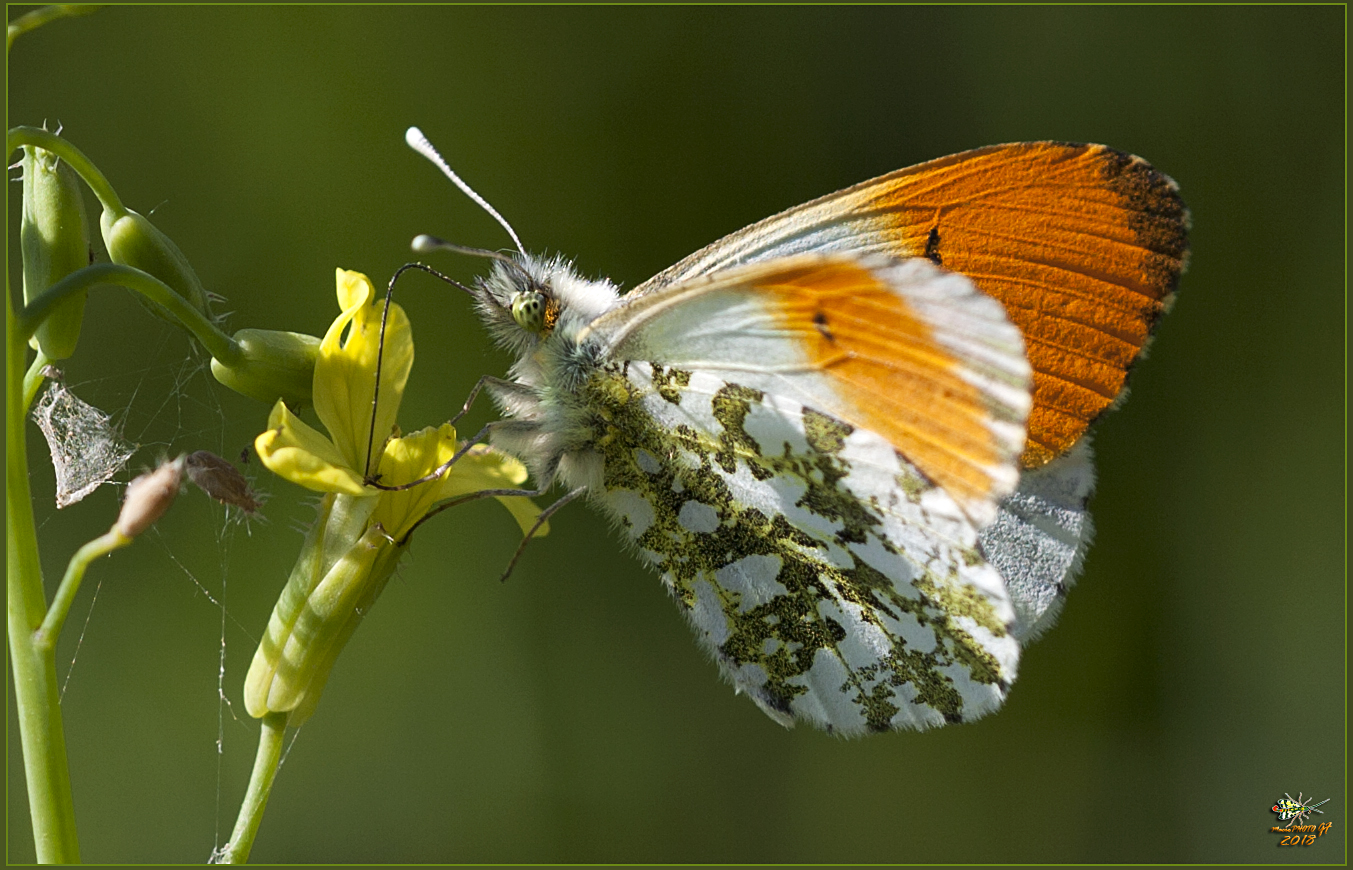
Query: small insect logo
(1296, 810)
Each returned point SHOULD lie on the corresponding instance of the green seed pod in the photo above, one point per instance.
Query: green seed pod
(54, 234)
(132, 240)
(275, 365)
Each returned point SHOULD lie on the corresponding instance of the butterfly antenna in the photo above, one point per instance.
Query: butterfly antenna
(367, 470)
(423, 244)
(418, 142)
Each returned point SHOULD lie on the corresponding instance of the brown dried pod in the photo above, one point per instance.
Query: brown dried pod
(222, 481)
(148, 497)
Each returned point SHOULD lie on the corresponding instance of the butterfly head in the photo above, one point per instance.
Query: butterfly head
(526, 301)
(518, 302)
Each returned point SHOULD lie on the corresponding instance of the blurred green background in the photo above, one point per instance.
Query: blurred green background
(1197, 673)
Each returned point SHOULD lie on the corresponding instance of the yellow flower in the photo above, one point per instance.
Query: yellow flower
(344, 385)
(362, 530)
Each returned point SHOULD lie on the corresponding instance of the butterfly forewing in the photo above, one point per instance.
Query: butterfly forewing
(1082, 244)
(1040, 535)
(912, 353)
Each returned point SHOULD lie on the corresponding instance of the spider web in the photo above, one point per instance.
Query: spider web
(87, 450)
(166, 406)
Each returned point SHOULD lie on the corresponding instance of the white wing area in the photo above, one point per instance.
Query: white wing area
(734, 327)
(726, 323)
(830, 580)
(1040, 536)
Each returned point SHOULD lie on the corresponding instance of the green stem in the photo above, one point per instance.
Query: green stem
(37, 701)
(83, 166)
(32, 381)
(274, 726)
(38, 17)
(45, 637)
(218, 344)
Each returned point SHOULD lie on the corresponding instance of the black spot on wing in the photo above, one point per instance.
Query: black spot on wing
(820, 321)
(932, 247)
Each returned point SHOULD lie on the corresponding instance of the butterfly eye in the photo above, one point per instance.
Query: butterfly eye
(534, 311)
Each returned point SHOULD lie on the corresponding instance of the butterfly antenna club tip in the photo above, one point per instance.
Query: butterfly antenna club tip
(418, 142)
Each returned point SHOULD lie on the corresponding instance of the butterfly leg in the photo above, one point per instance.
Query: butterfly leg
(441, 469)
(540, 521)
(474, 496)
(474, 394)
(502, 493)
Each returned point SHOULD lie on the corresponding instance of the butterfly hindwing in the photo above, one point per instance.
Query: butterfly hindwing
(830, 580)
(806, 450)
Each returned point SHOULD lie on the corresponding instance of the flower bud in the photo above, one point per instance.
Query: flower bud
(273, 365)
(132, 240)
(54, 233)
(342, 569)
(148, 497)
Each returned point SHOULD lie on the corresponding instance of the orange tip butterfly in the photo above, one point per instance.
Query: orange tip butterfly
(851, 438)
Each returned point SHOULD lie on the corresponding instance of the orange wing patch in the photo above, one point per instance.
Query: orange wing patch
(1083, 245)
(885, 363)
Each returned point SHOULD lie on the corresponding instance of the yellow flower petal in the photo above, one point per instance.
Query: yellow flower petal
(345, 372)
(421, 452)
(354, 289)
(407, 459)
(293, 450)
(486, 468)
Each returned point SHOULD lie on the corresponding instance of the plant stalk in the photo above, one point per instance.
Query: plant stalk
(38, 17)
(33, 380)
(37, 700)
(83, 166)
(44, 639)
(273, 727)
(216, 342)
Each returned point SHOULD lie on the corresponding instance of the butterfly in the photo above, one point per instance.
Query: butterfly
(852, 438)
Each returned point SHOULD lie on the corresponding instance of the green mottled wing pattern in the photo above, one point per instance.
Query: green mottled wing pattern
(829, 579)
